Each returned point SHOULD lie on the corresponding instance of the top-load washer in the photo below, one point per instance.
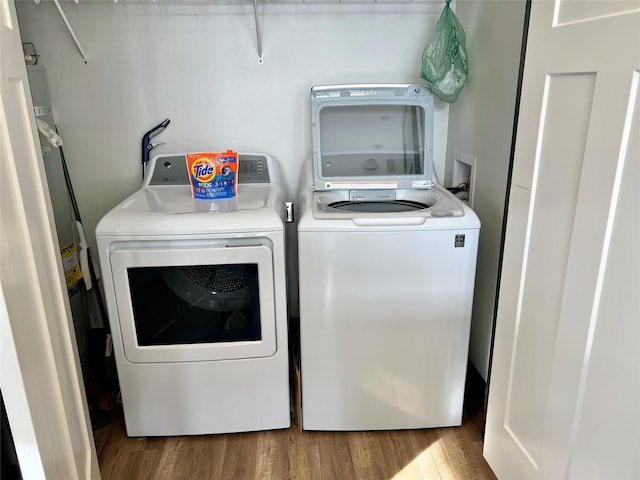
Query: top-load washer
(387, 262)
(196, 298)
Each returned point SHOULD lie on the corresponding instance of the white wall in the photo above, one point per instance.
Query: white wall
(197, 64)
(480, 126)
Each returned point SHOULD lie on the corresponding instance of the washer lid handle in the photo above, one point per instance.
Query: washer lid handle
(389, 221)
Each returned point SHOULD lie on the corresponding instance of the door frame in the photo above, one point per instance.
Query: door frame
(512, 153)
(40, 375)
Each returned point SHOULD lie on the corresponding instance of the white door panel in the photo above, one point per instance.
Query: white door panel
(607, 431)
(40, 374)
(561, 133)
(572, 11)
(509, 445)
(564, 398)
(583, 47)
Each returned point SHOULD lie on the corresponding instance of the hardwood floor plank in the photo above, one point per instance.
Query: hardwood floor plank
(450, 439)
(239, 462)
(102, 436)
(304, 456)
(365, 449)
(141, 464)
(469, 441)
(424, 442)
(272, 454)
(371, 473)
(205, 456)
(168, 467)
(367, 455)
(335, 456)
(115, 453)
(400, 456)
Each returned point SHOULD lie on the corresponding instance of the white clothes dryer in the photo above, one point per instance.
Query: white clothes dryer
(387, 262)
(196, 297)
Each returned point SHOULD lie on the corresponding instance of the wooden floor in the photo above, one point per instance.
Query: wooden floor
(442, 453)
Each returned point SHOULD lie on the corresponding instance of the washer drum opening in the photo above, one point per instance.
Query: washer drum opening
(390, 206)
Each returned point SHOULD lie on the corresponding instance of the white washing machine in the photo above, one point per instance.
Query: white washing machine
(387, 261)
(196, 298)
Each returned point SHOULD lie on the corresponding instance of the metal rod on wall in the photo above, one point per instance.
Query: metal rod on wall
(73, 34)
(258, 33)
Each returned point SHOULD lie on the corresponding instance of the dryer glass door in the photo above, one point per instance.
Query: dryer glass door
(190, 304)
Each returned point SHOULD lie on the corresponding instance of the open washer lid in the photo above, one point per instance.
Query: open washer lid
(372, 136)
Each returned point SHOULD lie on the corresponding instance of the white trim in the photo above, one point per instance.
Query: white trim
(40, 370)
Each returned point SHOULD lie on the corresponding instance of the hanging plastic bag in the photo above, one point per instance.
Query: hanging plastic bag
(444, 60)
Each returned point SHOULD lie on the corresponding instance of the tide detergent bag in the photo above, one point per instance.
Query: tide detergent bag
(213, 175)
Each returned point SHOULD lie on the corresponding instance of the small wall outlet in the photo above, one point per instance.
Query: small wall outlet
(464, 172)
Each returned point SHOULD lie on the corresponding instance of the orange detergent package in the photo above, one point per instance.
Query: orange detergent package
(213, 175)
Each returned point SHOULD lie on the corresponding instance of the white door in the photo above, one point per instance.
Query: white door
(40, 371)
(564, 399)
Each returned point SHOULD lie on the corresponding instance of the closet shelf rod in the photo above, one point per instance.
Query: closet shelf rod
(258, 33)
(73, 34)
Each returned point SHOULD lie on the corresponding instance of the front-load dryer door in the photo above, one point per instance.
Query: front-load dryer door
(195, 304)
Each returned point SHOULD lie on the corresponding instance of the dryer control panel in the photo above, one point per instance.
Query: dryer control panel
(172, 170)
